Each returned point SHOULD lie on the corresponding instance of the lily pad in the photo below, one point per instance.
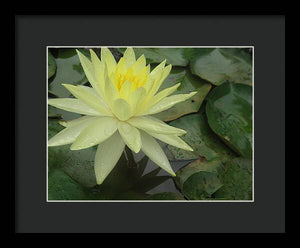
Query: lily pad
(199, 180)
(200, 137)
(201, 185)
(69, 70)
(218, 65)
(51, 65)
(189, 83)
(229, 113)
(237, 180)
(165, 196)
(63, 187)
(174, 56)
(197, 166)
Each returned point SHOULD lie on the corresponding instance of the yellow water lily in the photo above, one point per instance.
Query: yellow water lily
(117, 110)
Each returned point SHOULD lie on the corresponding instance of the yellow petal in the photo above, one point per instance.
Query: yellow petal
(95, 133)
(107, 155)
(139, 64)
(73, 105)
(88, 98)
(130, 135)
(154, 125)
(153, 150)
(159, 81)
(75, 121)
(158, 75)
(102, 101)
(136, 98)
(69, 134)
(108, 58)
(111, 92)
(149, 83)
(88, 68)
(129, 57)
(121, 67)
(172, 140)
(99, 68)
(158, 97)
(158, 70)
(121, 109)
(164, 93)
(125, 89)
(167, 103)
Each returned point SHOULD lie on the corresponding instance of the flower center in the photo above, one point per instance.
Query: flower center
(136, 77)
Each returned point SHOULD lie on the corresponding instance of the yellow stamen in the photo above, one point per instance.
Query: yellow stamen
(137, 80)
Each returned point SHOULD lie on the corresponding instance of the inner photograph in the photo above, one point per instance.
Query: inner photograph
(150, 123)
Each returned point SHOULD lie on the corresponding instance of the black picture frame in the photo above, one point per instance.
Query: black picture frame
(34, 215)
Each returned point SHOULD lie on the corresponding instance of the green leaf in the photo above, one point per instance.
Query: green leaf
(63, 187)
(69, 71)
(229, 113)
(196, 166)
(189, 83)
(218, 65)
(201, 185)
(165, 196)
(51, 65)
(237, 180)
(199, 179)
(200, 137)
(174, 56)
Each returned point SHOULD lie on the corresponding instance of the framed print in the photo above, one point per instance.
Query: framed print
(138, 122)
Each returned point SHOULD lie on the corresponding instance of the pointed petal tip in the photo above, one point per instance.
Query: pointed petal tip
(136, 150)
(177, 85)
(63, 123)
(182, 132)
(193, 93)
(78, 53)
(75, 147)
(169, 66)
(190, 149)
(128, 48)
(51, 143)
(99, 180)
(67, 85)
(187, 147)
(92, 52)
